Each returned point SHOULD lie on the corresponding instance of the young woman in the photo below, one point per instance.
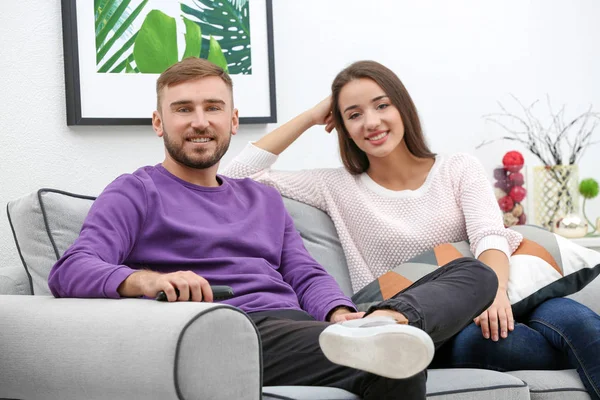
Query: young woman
(394, 199)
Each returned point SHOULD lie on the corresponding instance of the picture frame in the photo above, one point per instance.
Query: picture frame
(112, 57)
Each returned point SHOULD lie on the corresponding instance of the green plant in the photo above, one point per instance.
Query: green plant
(229, 22)
(113, 16)
(153, 48)
(588, 188)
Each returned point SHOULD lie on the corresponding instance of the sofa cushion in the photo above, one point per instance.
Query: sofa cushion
(14, 280)
(45, 223)
(306, 393)
(466, 384)
(589, 295)
(544, 266)
(321, 240)
(451, 384)
(553, 385)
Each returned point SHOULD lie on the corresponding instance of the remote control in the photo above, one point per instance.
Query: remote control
(220, 292)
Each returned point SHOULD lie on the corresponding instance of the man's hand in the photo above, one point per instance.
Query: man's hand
(344, 314)
(498, 317)
(191, 286)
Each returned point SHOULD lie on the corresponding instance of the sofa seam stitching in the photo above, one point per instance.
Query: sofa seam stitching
(29, 278)
(484, 389)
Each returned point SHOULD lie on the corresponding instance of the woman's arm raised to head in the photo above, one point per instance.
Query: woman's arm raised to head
(281, 138)
(256, 159)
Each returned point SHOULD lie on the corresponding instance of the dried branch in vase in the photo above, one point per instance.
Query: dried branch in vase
(555, 143)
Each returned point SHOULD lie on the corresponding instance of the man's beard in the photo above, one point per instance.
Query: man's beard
(201, 161)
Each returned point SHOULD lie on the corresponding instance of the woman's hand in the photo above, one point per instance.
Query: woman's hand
(497, 320)
(321, 114)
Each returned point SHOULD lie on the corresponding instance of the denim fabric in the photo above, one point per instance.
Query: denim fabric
(575, 330)
(558, 334)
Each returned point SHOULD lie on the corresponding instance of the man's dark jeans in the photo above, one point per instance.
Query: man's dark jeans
(442, 303)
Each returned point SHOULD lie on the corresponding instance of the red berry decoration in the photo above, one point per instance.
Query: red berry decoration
(517, 193)
(513, 161)
(506, 203)
(522, 219)
(516, 178)
(500, 174)
(503, 184)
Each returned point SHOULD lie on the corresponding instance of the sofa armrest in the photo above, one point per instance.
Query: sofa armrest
(126, 349)
(14, 280)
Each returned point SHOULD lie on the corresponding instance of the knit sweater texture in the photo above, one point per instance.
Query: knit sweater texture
(380, 229)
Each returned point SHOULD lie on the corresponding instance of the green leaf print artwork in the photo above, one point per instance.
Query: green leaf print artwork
(142, 36)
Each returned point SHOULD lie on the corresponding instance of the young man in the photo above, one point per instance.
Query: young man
(179, 225)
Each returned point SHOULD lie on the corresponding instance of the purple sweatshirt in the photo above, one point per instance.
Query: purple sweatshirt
(238, 234)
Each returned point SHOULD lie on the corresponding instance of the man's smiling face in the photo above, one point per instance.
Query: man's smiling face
(196, 120)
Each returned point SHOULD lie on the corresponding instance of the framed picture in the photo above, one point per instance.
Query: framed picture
(115, 50)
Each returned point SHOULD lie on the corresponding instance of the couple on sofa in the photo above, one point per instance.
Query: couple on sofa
(180, 226)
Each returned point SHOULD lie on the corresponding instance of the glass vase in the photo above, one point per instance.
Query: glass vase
(556, 193)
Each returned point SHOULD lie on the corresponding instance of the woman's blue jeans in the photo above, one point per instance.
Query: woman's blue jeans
(558, 334)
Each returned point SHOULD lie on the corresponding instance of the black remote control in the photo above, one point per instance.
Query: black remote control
(220, 292)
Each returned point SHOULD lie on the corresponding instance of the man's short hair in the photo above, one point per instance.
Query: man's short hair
(189, 69)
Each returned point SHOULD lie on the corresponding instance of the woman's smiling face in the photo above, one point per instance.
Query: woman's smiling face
(372, 121)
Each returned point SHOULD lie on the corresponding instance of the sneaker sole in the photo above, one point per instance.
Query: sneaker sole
(393, 351)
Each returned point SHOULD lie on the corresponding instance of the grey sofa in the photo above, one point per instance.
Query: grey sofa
(141, 349)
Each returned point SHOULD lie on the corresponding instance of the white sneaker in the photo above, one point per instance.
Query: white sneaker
(378, 345)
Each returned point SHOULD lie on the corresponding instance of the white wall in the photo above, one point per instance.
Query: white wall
(456, 58)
